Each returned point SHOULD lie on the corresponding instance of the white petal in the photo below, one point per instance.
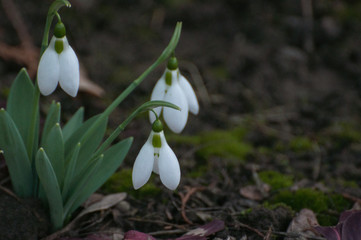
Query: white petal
(157, 94)
(190, 94)
(169, 170)
(48, 70)
(143, 164)
(69, 71)
(175, 119)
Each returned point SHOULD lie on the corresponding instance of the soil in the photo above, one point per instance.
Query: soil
(279, 89)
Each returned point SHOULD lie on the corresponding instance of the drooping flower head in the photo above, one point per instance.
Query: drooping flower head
(174, 88)
(156, 156)
(58, 64)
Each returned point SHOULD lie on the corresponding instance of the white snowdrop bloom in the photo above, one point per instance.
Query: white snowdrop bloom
(156, 156)
(174, 88)
(58, 64)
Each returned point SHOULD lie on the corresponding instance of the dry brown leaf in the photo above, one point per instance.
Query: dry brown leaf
(254, 193)
(86, 85)
(302, 225)
(106, 203)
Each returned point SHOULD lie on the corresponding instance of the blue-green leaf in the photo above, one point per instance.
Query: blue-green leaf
(52, 118)
(16, 156)
(76, 136)
(73, 124)
(69, 171)
(19, 103)
(89, 144)
(112, 159)
(51, 187)
(54, 147)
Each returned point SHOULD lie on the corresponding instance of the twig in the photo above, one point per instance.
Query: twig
(269, 234)
(352, 198)
(185, 198)
(26, 53)
(157, 222)
(16, 20)
(252, 229)
(10, 193)
(5, 180)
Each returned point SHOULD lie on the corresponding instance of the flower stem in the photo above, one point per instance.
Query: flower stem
(165, 54)
(31, 142)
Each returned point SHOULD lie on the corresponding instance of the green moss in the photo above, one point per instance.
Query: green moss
(344, 133)
(317, 201)
(198, 171)
(122, 182)
(227, 144)
(303, 198)
(301, 144)
(276, 180)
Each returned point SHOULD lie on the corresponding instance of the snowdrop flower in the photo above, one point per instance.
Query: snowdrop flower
(174, 88)
(58, 64)
(156, 156)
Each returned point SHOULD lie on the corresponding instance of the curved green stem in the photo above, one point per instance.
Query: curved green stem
(32, 136)
(165, 54)
(148, 106)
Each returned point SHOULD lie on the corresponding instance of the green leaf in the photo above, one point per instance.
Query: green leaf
(112, 159)
(54, 147)
(75, 137)
(76, 186)
(16, 156)
(70, 170)
(89, 144)
(73, 124)
(52, 118)
(51, 187)
(19, 104)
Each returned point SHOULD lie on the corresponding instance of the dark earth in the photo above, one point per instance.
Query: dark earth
(279, 87)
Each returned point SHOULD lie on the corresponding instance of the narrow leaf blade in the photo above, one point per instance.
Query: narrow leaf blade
(69, 172)
(19, 103)
(73, 124)
(54, 147)
(113, 157)
(11, 143)
(51, 187)
(52, 118)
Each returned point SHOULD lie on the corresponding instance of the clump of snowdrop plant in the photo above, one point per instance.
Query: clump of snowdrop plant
(63, 164)
(173, 87)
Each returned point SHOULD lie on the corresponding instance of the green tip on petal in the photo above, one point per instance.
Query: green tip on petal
(59, 46)
(168, 78)
(172, 63)
(59, 30)
(157, 126)
(156, 141)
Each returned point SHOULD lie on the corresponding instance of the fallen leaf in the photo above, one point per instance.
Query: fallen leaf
(106, 203)
(302, 224)
(199, 233)
(204, 231)
(86, 85)
(254, 193)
